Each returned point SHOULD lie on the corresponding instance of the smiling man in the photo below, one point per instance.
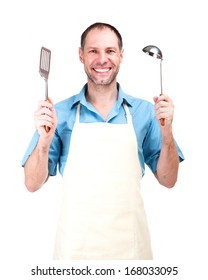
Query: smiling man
(101, 139)
(101, 53)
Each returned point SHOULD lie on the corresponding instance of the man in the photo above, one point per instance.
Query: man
(101, 139)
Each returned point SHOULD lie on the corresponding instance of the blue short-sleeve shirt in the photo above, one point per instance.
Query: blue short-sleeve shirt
(146, 126)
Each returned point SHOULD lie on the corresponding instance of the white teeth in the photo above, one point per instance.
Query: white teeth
(102, 70)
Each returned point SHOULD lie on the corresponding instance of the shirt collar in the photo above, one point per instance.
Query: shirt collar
(80, 97)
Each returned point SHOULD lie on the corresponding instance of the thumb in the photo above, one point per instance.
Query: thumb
(155, 98)
(50, 100)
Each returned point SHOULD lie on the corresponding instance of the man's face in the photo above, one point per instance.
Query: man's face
(101, 56)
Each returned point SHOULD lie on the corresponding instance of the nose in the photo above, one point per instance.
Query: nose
(102, 57)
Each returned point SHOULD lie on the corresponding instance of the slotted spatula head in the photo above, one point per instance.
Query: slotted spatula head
(44, 68)
(45, 58)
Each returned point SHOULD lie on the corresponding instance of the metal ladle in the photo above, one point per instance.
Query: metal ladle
(156, 52)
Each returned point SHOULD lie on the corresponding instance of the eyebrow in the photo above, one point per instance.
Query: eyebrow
(107, 48)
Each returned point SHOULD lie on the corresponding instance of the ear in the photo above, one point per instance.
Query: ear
(81, 55)
(121, 54)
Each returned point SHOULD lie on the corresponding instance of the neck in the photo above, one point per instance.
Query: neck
(102, 98)
(102, 94)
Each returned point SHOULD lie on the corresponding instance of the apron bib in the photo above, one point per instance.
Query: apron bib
(102, 214)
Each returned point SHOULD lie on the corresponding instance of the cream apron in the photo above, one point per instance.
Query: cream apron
(102, 214)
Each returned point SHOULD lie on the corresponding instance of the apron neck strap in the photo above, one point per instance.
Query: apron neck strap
(128, 114)
(126, 109)
(77, 113)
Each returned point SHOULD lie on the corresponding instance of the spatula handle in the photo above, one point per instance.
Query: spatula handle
(47, 128)
(162, 122)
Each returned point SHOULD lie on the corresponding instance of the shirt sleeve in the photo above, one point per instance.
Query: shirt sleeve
(54, 153)
(152, 146)
(30, 147)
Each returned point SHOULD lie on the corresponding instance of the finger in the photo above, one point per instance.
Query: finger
(163, 109)
(43, 114)
(155, 98)
(165, 113)
(163, 97)
(50, 100)
(162, 104)
(45, 117)
(44, 103)
(45, 111)
(42, 123)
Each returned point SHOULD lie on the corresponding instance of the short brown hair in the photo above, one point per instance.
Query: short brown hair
(101, 25)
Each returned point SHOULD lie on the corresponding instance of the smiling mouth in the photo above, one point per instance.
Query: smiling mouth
(102, 70)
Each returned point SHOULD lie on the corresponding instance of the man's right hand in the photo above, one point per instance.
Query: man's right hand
(44, 116)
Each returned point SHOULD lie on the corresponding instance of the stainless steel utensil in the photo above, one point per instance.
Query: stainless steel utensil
(156, 52)
(44, 69)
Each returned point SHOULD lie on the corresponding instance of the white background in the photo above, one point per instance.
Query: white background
(177, 217)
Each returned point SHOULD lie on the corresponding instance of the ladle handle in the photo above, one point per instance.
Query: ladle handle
(162, 121)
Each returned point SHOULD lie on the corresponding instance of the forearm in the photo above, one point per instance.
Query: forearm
(168, 163)
(36, 169)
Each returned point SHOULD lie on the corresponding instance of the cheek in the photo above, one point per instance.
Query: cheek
(89, 60)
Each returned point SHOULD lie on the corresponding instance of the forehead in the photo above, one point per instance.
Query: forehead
(100, 38)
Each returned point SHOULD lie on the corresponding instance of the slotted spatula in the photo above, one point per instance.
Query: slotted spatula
(44, 69)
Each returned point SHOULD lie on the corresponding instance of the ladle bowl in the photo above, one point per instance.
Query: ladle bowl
(156, 52)
(153, 51)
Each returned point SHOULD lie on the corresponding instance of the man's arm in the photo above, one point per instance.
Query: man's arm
(36, 167)
(168, 163)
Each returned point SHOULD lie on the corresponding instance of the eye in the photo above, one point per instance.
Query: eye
(93, 51)
(111, 51)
